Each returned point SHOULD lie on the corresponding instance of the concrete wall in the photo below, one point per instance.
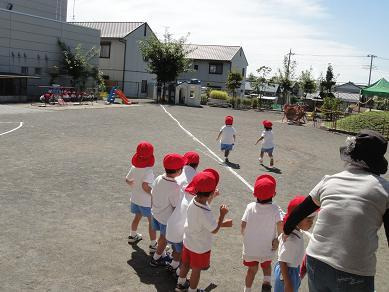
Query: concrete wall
(113, 66)
(29, 41)
(53, 9)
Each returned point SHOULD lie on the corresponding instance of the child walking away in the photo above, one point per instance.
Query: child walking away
(165, 197)
(291, 252)
(139, 178)
(200, 225)
(176, 222)
(227, 136)
(267, 143)
(261, 222)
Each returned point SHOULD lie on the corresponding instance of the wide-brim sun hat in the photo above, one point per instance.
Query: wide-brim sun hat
(229, 120)
(367, 149)
(174, 161)
(264, 187)
(204, 181)
(192, 157)
(144, 156)
(267, 124)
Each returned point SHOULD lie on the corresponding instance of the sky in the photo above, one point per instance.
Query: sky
(318, 32)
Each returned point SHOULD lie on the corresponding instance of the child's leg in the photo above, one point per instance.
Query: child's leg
(266, 274)
(194, 278)
(184, 270)
(250, 276)
(161, 246)
(261, 157)
(176, 259)
(226, 153)
(271, 158)
(152, 232)
(135, 223)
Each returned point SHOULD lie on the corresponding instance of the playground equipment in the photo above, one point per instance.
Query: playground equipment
(115, 92)
(294, 113)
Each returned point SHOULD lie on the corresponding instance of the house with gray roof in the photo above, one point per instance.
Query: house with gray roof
(120, 57)
(348, 92)
(211, 64)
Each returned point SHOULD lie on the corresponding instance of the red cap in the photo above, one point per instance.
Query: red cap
(267, 124)
(174, 161)
(144, 155)
(204, 181)
(192, 157)
(265, 187)
(229, 120)
(297, 200)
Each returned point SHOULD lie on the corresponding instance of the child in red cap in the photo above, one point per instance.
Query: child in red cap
(139, 178)
(165, 197)
(268, 143)
(291, 252)
(199, 227)
(176, 222)
(260, 221)
(228, 137)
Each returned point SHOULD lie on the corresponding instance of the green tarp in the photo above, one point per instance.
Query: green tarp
(380, 88)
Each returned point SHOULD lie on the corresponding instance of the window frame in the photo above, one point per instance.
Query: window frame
(143, 86)
(217, 65)
(24, 72)
(105, 43)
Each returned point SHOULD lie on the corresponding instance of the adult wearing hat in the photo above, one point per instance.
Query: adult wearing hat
(354, 203)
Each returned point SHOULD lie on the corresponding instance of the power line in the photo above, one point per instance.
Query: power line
(328, 55)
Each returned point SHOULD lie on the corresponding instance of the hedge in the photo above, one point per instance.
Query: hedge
(218, 94)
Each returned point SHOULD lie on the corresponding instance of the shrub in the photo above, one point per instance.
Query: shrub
(238, 102)
(218, 94)
(246, 102)
(254, 103)
(204, 99)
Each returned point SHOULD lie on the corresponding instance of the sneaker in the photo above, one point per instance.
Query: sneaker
(153, 248)
(134, 239)
(161, 262)
(172, 270)
(226, 160)
(266, 287)
(260, 160)
(182, 287)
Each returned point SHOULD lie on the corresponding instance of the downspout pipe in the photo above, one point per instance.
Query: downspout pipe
(124, 41)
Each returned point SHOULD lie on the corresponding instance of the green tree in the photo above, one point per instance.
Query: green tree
(166, 59)
(77, 63)
(285, 76)
(308, 84)
(328, 83)
(234, 81)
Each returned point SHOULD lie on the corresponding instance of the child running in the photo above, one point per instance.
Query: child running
(200, 225)
(165, 197)
(228, 136)
(268, 143)
(176, 222)
(259, 224)
(291, 252)
(139, 178)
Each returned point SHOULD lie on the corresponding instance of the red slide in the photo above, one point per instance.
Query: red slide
(122, 96)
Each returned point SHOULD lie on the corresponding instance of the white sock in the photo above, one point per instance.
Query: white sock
(192, 290)
(178, 271)
(153, 242)
(132, 232)
(247, 289)
(175, 264)
(156, 256)
(181, 281)
(267, 279)
(163, 254)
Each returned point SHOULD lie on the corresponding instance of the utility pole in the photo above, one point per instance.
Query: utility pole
(74, 5)
(371, 65)
(287, 71)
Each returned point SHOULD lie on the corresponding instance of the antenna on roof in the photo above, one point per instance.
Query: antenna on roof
(74, 5)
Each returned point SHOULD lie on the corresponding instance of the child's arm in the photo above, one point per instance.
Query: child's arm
(223, 212)
(218, 136)
(146, 187)
(275, 242)
(242, 227)
(234, 138)
(130, 181)
(260, 139)
(288, 287)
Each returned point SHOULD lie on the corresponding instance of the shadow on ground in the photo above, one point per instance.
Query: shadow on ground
(159, 277)
(232, 165)
(272, 169)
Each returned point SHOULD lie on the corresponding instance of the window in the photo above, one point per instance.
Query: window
(145, 30)
(24, 70)
(105, 77)
(38, 71)
(243, 72)
(105, 50)
(143, 88)
(216, 68)
(196, 67)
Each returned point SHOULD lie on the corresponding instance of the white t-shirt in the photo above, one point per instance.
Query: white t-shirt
(227, 136)
(188, 172)
(140, 175)
(165, 197)
(352, 204)
(268, 140)
(292, 250)
(261, 228)
(176, 222)
(199, 225)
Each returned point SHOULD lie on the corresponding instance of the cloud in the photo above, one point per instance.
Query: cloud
(266, 29)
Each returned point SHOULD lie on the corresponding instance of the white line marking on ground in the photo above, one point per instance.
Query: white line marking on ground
(209, 150)
(10, 131)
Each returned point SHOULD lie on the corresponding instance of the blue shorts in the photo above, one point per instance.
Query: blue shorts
(144, 211)
(177, 247)
(157, 226)
(267, 150)
(294, 275)
(226, 146)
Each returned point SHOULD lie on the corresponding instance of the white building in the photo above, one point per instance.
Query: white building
(120, 56)
(29, 31)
